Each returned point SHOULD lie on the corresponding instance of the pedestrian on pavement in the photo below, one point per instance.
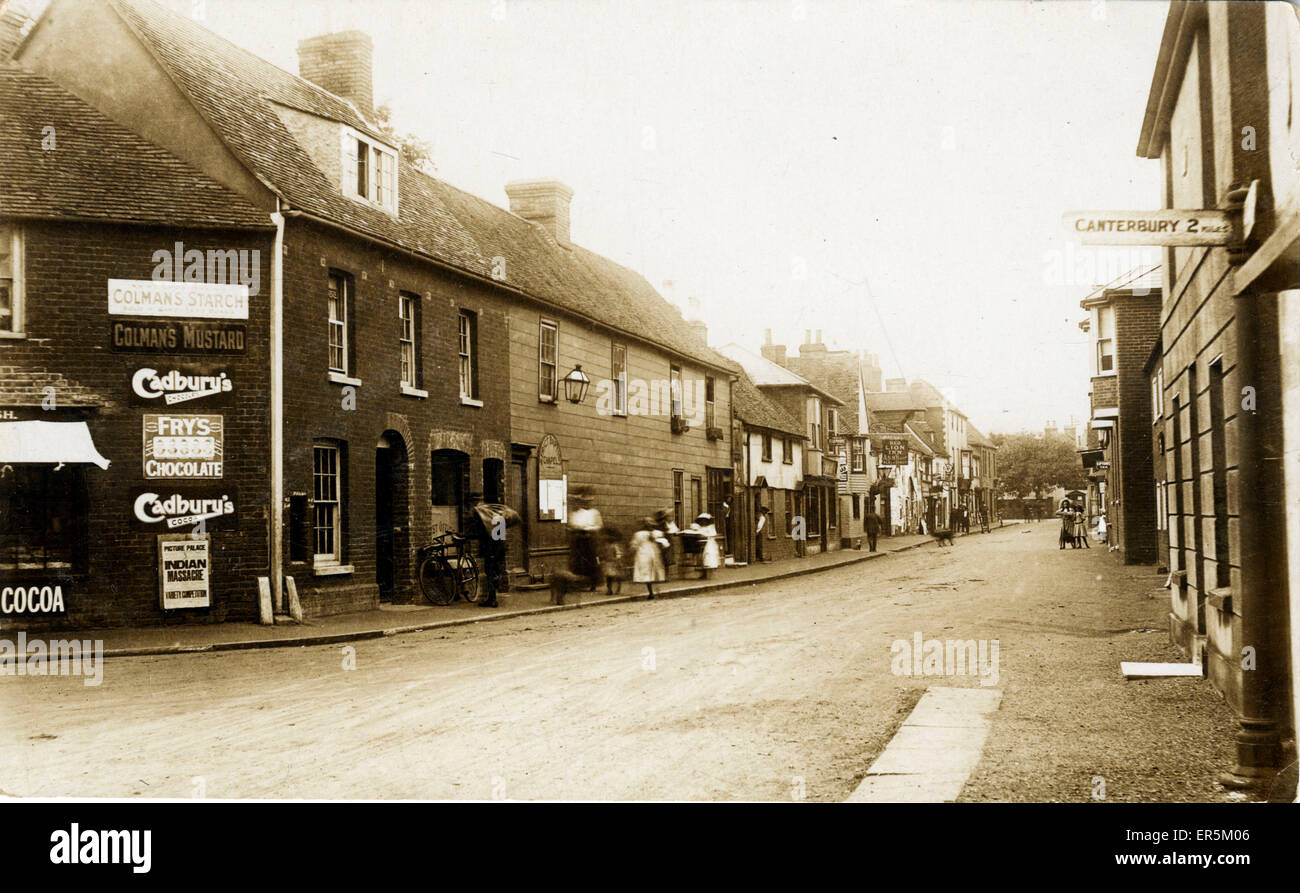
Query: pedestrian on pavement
(1066, 514)
(585, 525)
(611, 559)
(1080, 528)
(711, 554)
(760, 532)
(665, 524)
(491, 536)
(647, 548)
(871, 525)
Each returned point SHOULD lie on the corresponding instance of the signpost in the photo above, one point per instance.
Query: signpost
(1178, 228)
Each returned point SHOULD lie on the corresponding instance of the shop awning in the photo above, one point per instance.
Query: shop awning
(48, 443)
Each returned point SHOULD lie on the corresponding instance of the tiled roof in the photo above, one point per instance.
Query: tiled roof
(892, 401)
(756, 410)
(765, 373)
(920, 444)
(91, 168)
(237, 92)
(975, 437)
(26, 387)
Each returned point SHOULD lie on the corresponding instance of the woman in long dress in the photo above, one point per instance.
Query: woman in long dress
(712, 554)
(647, 556)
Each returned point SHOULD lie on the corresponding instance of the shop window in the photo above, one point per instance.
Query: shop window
(449, 471)
(42, 528)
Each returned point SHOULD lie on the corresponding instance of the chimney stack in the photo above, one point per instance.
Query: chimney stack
(811, 347)
(896, 385)
(773, 353)
(341, 63)
(542, 201)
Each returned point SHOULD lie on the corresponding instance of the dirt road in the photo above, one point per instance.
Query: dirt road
(776, 692)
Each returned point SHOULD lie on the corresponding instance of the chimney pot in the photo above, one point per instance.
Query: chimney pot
(545, 202)
(343, 64)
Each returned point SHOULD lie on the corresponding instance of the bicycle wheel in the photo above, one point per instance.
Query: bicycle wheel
(436, 580)
(467, 578)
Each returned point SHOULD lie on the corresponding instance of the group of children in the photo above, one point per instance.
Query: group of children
(1074, 529)
(648, 555)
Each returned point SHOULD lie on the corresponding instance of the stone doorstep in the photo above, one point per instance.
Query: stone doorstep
(1138, 670)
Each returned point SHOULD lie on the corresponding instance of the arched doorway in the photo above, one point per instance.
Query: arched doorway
(392, 518)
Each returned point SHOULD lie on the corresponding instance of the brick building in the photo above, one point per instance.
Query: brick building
(90, 217)
(406, 324)
(1219, 133)
(1123, 322)
(817, 503)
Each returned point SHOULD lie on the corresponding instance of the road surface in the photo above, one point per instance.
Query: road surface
(781, 691)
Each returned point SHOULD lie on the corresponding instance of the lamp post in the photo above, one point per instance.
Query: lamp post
(576, 384)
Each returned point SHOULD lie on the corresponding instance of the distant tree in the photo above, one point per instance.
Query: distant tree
(415, 151)
(1030, 465)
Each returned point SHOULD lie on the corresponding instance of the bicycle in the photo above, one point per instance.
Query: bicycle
(443, 577)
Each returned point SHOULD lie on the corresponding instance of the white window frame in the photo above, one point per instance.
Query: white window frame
(15, 326)
(380, 161)
(618, 370)
(815, 418)
(407, 314)
(339, 323)
(710, 402)
(676, 392)
(548, 394)
(333, 507)
(466, 338)
(1106, 339)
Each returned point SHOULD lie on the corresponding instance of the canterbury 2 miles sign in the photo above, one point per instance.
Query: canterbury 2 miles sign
(1173, 228)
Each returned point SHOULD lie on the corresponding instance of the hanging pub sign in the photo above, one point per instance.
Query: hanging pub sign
(183, 446)
(891, 450)
(172, 383)
(182, 508)
(156, 297)
(184, 571)
(174, 336)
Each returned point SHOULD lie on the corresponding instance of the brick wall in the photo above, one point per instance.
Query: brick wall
(1137, 325)
(67, 271)
(414, 426)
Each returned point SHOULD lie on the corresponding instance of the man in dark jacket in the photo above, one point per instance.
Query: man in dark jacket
(491, 536)
(871, 524)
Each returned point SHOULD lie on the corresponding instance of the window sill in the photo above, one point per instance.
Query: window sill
(16, 336)
(470, 401)
(340, 378)
(550, 401)
(331, 570)
(409, 391)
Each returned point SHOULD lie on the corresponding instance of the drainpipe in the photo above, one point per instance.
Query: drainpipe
(276, 564)
(1288, 303)
(1259, 746)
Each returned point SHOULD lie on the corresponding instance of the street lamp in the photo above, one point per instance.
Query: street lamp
(576, 384)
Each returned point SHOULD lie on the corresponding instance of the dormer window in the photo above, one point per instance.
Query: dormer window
(369, 171)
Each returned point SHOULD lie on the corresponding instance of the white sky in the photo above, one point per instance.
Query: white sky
(913, 160)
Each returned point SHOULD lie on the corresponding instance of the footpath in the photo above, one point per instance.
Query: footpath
(392, 620)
